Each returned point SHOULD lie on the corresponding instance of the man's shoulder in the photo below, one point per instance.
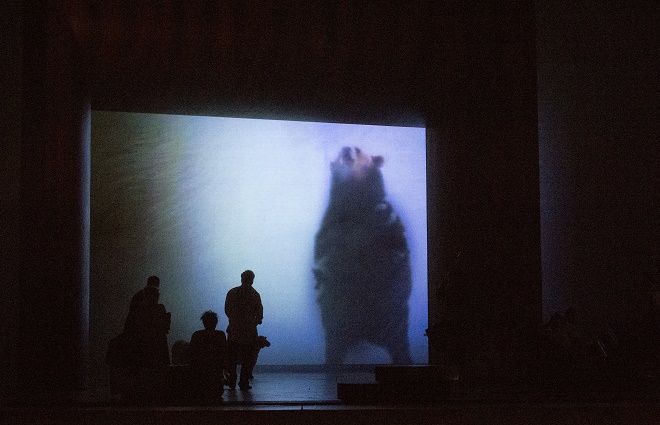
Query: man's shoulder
(242, 291)
(234, 290)
(137, 297)
(250, 292)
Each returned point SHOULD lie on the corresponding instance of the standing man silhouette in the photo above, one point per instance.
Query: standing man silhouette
(147, 325)
(244, 310)
(139, 299)
(146, 354)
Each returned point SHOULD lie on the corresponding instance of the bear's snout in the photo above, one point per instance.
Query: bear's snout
(347, 154)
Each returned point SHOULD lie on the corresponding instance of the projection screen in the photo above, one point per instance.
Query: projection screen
(197, 200)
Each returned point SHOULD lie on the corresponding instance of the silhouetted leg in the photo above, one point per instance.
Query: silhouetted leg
(246, 373)
(332, 354)
(217, 389)
(337, 337)
(249, 355)
(232, 363)
(231, 381)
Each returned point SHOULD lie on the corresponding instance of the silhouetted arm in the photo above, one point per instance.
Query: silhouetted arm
(260, 310)
(230, 306)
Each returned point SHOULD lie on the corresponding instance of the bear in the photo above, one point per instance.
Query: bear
(362, 262)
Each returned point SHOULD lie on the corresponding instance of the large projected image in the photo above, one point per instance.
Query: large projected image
(330, 217)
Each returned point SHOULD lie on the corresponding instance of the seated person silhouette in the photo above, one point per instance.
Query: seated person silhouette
(207, 354)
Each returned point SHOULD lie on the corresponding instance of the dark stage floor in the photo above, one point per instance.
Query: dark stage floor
(271, 388)
(311, 398)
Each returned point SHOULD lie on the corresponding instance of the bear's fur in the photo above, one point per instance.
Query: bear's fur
(362, 262)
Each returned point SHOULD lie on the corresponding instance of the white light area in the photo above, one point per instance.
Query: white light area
(256, 207)
(240, 194)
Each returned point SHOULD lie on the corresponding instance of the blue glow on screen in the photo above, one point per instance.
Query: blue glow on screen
(197, 200)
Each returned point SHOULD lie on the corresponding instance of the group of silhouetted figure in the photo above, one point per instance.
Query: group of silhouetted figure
(141, 357)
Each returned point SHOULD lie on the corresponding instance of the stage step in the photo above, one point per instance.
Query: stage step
(417, 374)
(400, 385)
(379, 394)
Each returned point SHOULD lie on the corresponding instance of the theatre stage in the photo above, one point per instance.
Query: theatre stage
(301, 397)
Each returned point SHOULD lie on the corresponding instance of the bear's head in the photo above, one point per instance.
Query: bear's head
(356, 178)
(353, 164)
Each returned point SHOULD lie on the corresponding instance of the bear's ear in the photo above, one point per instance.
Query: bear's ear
(378, 161)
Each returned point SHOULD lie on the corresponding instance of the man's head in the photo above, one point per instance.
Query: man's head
(153, 281)
(247, 277)
(210, 320)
